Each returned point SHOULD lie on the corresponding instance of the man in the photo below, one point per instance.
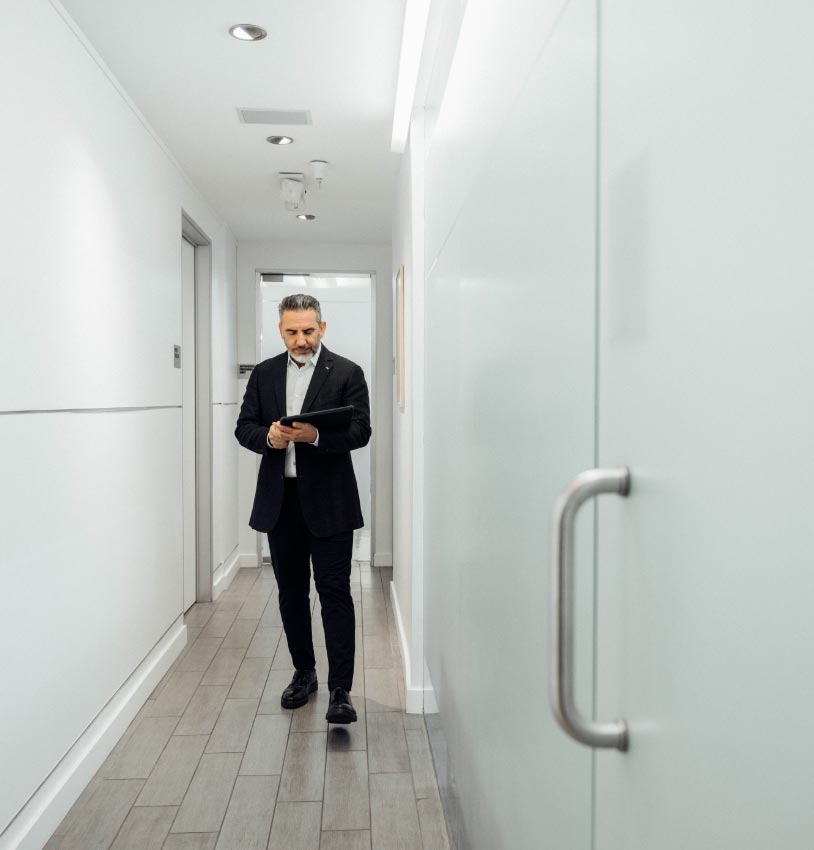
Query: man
(306, 498)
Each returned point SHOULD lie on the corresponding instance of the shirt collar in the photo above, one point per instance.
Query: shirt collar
(312, 359)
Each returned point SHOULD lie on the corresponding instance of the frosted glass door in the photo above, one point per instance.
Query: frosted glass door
(706, 573)
(510, 348)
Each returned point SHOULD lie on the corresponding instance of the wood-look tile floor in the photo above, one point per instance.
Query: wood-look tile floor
(212, 762)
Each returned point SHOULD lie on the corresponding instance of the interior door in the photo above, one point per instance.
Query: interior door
(705, 578)
(510, 400)
(188, 420)
(346, 309)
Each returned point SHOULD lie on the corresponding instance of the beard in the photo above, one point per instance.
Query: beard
(302, 358)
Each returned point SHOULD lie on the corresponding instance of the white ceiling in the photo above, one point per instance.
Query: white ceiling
(336, 58)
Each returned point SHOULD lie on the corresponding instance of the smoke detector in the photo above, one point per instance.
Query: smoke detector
(318, 169)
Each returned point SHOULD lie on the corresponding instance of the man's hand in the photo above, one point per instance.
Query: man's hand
(277, 439)
(300, 432)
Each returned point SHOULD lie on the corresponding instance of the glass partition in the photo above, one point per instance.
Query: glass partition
(510, 421)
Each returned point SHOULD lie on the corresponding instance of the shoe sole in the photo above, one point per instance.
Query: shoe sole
(298, 703)
(341, 715)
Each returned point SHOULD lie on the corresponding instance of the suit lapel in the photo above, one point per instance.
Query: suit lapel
(321, 372)
(279, 378)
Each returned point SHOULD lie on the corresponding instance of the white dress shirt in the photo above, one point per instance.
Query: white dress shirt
(297, 381)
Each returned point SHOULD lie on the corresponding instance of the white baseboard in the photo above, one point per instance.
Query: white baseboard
(417, 695)
(223, 575)
(247, 559)
(430, 703)
(42, 814)
(382, 559)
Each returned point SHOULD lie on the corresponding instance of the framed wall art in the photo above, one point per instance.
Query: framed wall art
(401, 353)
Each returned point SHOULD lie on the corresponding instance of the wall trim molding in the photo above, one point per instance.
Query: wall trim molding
(34, 824)
(225, 573)
(247, 559)
(382, 559)
(417, 694)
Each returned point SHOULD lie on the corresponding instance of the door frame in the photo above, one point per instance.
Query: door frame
(203, 405)
(258, 327)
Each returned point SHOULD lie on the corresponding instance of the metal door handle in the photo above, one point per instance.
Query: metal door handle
(583, 487)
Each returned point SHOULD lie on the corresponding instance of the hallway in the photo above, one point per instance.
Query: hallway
(213, 761)
(564, 244)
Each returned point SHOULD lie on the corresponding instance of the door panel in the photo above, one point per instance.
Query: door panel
(510, 342)
(188, 396)
(705, 576)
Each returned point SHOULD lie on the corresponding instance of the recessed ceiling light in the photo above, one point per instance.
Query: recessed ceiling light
(280, 140)
(247, 32)
(306, 217)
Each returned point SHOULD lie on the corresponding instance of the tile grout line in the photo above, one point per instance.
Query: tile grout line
(237, 775)
(245, 597)
(256, 714)
(208, 738)
(277, 800)
(163, 749)
(124, 820)
(200, 758)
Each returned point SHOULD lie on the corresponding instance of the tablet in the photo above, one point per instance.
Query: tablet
(336, 418)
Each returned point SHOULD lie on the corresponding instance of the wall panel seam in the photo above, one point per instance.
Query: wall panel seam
(90, 409)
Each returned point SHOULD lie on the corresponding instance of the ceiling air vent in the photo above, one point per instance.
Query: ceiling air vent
(267, 277)
(274, 116)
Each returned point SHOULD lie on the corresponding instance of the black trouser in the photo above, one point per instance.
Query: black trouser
(292, 548)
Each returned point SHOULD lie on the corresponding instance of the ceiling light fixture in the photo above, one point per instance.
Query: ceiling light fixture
(280, 140)
(247, 32)
(306, 217)
(416, 14)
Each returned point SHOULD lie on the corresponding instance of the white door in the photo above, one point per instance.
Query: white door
(706, 573)
(188, 420)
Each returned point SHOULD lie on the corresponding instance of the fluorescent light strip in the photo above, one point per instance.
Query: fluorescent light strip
(416, 13)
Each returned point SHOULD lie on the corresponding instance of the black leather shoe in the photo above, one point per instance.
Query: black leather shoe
(296, 694)
(340, 709)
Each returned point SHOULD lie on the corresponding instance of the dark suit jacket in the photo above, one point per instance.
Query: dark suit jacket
(327, 485)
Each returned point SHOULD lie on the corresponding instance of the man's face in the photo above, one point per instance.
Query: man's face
(301, 333)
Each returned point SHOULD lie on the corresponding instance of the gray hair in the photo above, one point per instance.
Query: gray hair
(300, 302)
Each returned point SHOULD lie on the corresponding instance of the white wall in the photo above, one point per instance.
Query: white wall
(225, 547)
(403, 419)
(90, 404)
(408, 424)
(325, 257)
